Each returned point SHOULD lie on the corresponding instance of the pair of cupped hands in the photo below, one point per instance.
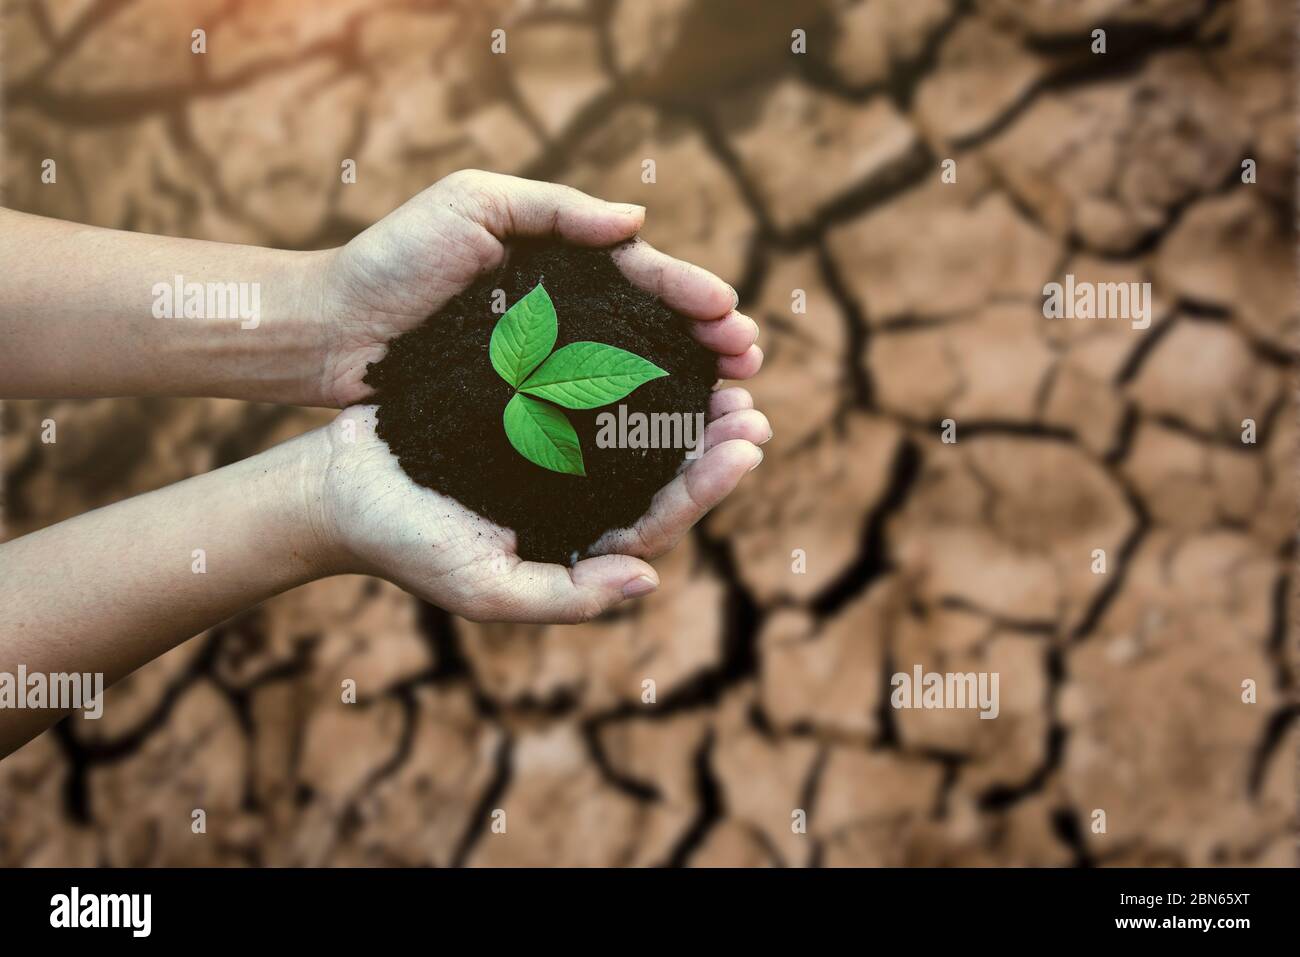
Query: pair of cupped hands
(372, 518)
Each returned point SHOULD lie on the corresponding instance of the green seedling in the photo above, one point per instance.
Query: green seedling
(581, 375)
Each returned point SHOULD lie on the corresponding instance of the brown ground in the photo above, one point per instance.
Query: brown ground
(1120, 692)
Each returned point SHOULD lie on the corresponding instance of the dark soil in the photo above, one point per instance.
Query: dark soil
(440, 401)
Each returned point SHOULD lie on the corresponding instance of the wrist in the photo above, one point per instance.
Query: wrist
(265, 342)
(295, 340)
(294, 506)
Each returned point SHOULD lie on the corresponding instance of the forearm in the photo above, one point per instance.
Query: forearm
(88, 312)
(114, 588)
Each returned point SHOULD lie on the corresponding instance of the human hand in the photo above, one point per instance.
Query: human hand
(391, 277)
(373, 519)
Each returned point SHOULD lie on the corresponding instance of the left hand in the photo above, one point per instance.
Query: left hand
(405, 267)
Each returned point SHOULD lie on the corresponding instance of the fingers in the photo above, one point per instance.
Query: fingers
(540, 593)
(690, 290)
(699, 294)
(509, 206)
(731, 399)
(685, 500)
(742, 366)
(731, 335)
(748, 424)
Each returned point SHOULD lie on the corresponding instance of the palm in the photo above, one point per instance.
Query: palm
(428, 543)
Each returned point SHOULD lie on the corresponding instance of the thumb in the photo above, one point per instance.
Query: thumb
(552, 594)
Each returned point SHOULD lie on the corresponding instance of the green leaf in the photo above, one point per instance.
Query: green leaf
(524, 336)
(584, 375)
(542, 434)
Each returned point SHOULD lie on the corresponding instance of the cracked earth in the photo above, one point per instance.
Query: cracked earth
(821, 172)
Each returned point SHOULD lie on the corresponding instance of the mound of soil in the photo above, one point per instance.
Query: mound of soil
(441, 402)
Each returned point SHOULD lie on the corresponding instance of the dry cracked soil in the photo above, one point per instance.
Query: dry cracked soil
(821, 172)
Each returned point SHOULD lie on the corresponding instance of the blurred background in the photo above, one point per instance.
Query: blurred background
(782, 171)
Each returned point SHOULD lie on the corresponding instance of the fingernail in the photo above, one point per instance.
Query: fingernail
(637, 587)
(759, 461)
(770, 433)
(631, 209)
(735, 297)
